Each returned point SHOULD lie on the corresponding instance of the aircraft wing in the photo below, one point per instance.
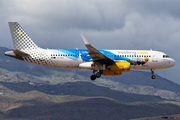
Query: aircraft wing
(20, 53)
(95, 54)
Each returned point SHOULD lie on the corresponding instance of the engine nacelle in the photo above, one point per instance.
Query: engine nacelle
(111, 73)
(119, 66)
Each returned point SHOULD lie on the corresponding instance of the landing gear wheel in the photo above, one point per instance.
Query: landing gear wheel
(98, 75)
(152, 72)
(153, 77)
(93, 77)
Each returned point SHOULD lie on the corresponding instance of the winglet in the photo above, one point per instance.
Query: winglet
(85, 40)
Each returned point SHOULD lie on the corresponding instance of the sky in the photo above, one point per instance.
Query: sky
(106, 24)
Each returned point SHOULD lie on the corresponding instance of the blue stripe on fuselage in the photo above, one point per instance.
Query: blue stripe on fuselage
(85, 57)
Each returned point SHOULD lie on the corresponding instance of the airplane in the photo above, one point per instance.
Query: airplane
(102, 62)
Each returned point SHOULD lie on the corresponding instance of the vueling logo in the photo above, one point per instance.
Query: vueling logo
(142, 52)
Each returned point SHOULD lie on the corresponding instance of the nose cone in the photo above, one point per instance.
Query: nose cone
(172, 62)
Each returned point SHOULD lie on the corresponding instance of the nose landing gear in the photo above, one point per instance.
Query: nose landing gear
(152, 72)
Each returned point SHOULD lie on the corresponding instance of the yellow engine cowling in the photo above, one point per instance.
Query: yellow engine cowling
(119, 66)
(111, 73)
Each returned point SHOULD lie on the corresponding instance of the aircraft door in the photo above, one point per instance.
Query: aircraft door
(154, 56)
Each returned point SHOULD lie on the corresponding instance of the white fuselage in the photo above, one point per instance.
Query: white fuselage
(65, 58)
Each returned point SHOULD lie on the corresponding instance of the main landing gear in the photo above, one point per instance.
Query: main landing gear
(94, 76)
(152, 72)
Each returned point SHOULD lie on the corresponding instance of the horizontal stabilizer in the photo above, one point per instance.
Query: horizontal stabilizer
(20, 53)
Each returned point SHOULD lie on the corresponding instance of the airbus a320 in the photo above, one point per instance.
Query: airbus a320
(102, 62)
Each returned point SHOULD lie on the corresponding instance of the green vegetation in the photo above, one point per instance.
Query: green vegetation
(139, 89)
(35, 105)
(64, 77)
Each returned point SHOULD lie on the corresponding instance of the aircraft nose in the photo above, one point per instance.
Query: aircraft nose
(172, 62)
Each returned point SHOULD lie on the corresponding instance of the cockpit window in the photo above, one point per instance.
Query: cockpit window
(165, 56)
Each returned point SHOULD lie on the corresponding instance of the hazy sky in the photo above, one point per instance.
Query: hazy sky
(107, 24)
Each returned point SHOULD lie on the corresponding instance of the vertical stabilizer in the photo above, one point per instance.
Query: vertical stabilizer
(20, 38)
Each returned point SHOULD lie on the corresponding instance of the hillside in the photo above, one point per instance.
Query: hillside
(82, 89)
(61, 82)
(37, 106)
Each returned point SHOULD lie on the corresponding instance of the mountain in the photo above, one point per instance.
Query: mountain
(39, 106)
(81, 89)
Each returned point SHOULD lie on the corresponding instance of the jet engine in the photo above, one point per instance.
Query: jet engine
(116, 68)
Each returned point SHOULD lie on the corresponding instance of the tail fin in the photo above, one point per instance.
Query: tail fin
(20, 38)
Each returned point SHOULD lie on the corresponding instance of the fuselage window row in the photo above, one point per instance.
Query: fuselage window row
(107, 55)
(53, 55)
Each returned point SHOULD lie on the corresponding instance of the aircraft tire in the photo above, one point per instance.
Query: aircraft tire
(153, 77)
(93, 77)
(98, 75)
